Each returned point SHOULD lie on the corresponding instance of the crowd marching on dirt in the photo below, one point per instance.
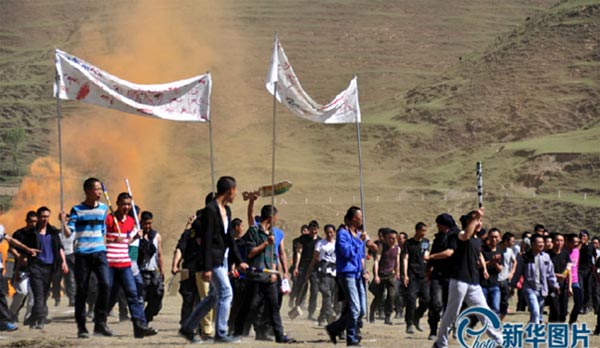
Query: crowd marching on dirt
(234, 273)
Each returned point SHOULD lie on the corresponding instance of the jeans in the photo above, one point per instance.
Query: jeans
(123, 278)
(492, 296)
(220, 294)
(438, 292)
(354, 293)
(40, 276)
(85, 264)
(535, 302)
(473, 296)
(577, 302)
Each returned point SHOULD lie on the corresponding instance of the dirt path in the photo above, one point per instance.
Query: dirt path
(62, 332)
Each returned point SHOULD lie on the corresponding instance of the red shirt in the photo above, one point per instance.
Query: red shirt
(117, 253)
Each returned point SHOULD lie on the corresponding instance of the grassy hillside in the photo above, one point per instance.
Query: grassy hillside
(442, 85)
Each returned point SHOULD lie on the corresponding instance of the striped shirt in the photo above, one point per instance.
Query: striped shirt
(117, 253)
(87, 223)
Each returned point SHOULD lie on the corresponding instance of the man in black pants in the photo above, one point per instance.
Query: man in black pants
(415, 253)
(51, 257)
(264, 286)
(587, 259)
(305, 252)
(562, 263)
(440, 267)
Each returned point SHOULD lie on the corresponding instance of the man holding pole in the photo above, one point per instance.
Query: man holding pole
(349, 252)
(86, 221)
(214, 226)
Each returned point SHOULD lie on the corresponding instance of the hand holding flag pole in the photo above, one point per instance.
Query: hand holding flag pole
(112, 211)
(135, 215)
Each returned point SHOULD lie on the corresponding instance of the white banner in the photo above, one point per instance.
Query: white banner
(343, 109)
(185, 100)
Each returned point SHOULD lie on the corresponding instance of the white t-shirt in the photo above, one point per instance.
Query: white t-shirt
(326, 250)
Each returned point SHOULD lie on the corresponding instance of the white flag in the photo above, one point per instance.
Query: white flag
(343, 109)
(185, 100)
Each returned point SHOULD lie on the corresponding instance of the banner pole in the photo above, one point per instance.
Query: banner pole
(273, 168)
(212, 159)
(360, 166)
(59, 128)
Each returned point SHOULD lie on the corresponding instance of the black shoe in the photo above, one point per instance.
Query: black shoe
(418, 327)
(102, 330)
(83, 333)
(311, 318)
(27, 322)
(353, 344)
(388, 321)
(410, 330)
(141, 330)
(286, 339)
(57, 302)
(331, 334)
(597, 331)
(398, 315)
(123, 318)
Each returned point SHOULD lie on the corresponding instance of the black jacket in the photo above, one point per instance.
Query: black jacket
(214, 240)
(30, 238)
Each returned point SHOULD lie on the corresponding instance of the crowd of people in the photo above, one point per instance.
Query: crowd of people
(233, 278)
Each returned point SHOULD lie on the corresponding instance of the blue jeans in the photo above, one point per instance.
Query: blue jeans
(492, 297)
(220, 294)
(535, 302)
(123, 277)
(355, 303)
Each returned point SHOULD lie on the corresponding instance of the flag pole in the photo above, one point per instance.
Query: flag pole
(212, 159)
(273, 169)
(60, 166)
(479, 185)
(360, 166)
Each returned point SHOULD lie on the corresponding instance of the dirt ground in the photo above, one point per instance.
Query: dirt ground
(62, 332)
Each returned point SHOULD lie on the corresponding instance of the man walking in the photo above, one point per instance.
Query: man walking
(216, 240)
(51, 258)
(119, 264)
(86, 221)
(415, 253)
(349, 253)
(464, 284)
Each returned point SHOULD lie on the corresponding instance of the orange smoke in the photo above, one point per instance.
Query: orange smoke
(166, 162)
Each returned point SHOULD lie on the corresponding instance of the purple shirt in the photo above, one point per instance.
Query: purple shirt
(46, 255)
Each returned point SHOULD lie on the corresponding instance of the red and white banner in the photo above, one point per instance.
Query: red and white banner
(343, 109)
(185, 100)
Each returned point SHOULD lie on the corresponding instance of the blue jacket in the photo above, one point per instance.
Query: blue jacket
(349, 252)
